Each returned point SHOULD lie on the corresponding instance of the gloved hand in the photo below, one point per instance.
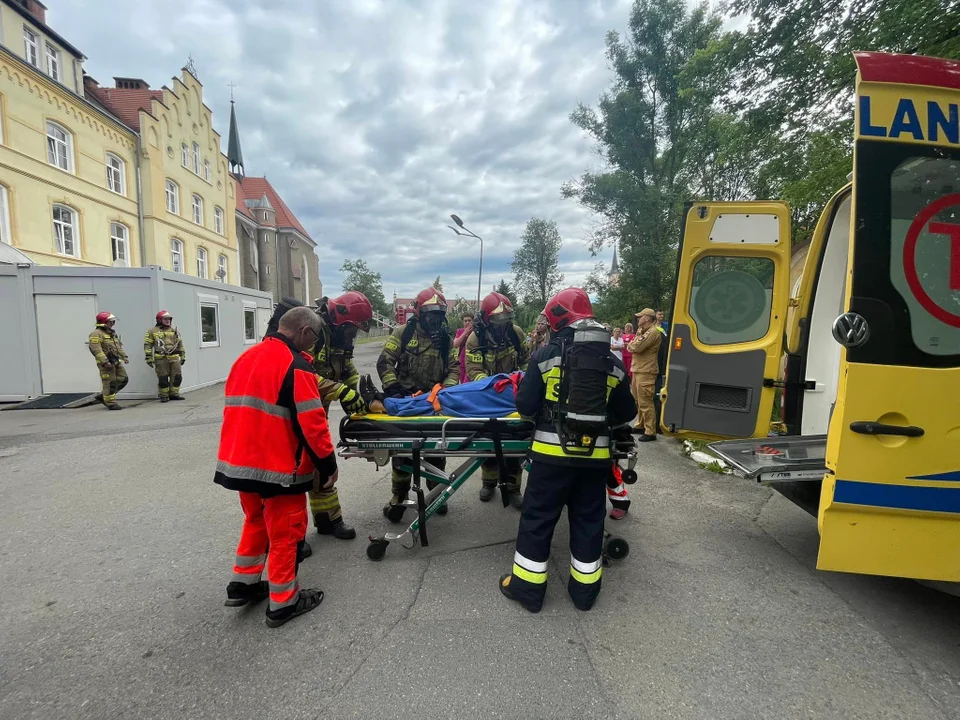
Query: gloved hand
(183, 361)
(394, 391)
(369, 391)
(351, 402)
(107, 365)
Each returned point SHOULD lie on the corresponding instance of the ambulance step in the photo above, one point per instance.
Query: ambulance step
(776, 459)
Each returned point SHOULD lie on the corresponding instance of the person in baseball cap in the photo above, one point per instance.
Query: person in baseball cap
(644, 370)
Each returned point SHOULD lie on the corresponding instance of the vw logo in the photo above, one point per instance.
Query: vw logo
(851, 330)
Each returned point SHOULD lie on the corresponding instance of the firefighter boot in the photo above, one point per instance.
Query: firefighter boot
(487, 491)
(113, 406)
(393, 510)
(338, 528)
(239, 594)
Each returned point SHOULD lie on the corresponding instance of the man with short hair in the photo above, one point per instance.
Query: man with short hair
(643, 371)
(273, 440)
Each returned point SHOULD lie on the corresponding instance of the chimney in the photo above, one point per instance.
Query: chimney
(124, 83)
(37, 9)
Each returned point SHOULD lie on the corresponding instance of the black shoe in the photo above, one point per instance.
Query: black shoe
(338, 528)
(646, 438)
(486, 493)
(506, 592)
(303, 551)
(164, 398)
(239, 594)
(308, 600)
(393, 513)
(98, 397)
(516, 499)
(177, 397)
(113, 406)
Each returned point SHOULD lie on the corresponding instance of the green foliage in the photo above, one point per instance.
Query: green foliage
(357, 276)
(437, 285)
(536, 263)
(503, 287)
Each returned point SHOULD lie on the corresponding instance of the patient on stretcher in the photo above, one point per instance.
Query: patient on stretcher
(491, 397)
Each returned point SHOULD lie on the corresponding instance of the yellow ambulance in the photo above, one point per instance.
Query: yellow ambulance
(856, 361)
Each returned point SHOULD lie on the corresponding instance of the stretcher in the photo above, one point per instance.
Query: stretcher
(381, 438)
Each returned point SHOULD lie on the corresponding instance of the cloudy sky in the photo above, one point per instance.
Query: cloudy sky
(376, 119)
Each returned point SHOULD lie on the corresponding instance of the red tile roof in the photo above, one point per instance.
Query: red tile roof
(126, 104)
(241, 204)
(254, 188)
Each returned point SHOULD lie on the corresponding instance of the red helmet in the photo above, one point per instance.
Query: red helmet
(163, 314)
(105, 317)
(429, 299)
(351, 308)
(496, 304)
(566, 307)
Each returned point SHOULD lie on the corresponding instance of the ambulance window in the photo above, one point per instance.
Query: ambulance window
(731, 298)
(925, 249)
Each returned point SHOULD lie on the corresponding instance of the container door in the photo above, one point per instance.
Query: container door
(63, 327)
(891, 503)
(729, 314)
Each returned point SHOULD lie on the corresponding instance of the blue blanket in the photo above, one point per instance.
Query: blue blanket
(478, 399)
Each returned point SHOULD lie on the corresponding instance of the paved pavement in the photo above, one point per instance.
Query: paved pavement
(115, 547)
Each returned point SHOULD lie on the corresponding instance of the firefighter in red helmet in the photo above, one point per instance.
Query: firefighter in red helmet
(577, 392)
(107, 349)
(341, 319)
(164, 353)
(497, 345)
(415, 358)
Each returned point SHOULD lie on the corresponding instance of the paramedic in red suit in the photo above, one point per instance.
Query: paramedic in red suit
(274, 437)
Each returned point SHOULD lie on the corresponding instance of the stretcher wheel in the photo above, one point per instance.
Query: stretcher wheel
(616, 548)
(377, 549)
(629, 477)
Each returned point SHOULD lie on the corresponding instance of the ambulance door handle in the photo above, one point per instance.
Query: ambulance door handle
(874, 428)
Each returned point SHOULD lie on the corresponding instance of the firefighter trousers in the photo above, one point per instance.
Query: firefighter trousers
(324, 504)
(112, 380)
(169, 375)
(273, 527)
(490, 473)
(549, 488)
(400, 480)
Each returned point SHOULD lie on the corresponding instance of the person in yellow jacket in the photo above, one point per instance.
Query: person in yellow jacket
(107, 350)
(644, 370)
(163, 348)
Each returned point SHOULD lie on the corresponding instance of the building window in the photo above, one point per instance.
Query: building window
(218, 220)
(120, 241)
(206, 170)
(209, 324)
(59, 147)
(53, 62)
(5, 216)
(196, 158)
(249, 325)
(173, 197)
(176, 255)
(202, 263)
(1, 118)
(116, 175)
(198, 209)
(30, 47)
(222, 268)
(184, 155)
(65, 231)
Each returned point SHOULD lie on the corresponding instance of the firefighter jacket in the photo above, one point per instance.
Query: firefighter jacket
(105, 345)
(538, 394)
(419, 364)
(493, 359)
(335, 368)
(275, 431)
(162, 342)
(645, 348)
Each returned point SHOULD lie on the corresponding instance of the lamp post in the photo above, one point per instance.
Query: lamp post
(468, 233)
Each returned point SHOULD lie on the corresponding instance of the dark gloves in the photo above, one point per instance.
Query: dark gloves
(351, 402)
(183, 361)
(395, 391)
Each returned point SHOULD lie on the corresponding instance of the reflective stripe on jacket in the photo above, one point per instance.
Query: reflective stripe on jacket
(104, 344)
(537, 398)
(160, 342)
(275, 431)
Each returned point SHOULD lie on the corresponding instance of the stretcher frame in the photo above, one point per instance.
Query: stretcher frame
(457, 439)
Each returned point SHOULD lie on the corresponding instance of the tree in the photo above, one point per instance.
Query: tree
(536, 263)
(437, 285)
(503, 287)
(362, 279)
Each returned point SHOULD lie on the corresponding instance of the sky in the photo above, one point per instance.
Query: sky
(377, 119)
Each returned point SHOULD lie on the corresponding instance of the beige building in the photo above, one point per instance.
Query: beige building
(95, 176)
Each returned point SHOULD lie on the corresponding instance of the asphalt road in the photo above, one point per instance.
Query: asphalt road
(116, 546)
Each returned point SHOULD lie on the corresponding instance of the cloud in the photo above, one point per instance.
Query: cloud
(376, 119)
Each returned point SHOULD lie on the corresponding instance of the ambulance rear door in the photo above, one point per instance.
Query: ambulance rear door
(729, 315)
(890, 503)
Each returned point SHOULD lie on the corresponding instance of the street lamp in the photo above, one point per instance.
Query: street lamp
(469, 233)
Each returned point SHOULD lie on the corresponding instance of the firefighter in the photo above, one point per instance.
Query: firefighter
(497, 345)
(163, 348)
(273, 441)
(416, 358)
(107, 349)
(341, 319)
(561, 475)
